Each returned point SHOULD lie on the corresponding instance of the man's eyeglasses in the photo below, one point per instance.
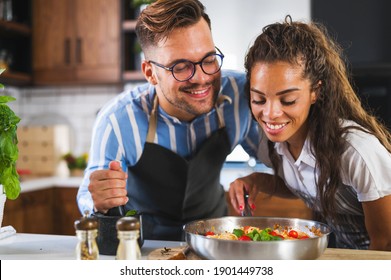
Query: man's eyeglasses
(183, 70)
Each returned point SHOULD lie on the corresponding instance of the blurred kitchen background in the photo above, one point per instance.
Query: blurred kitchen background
(66, 58)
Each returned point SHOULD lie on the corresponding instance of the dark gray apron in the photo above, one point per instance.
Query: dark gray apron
(169, 190)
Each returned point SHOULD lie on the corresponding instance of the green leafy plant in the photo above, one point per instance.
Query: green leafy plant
(9, 152)
(1, 71)
(138, 3)
(76, 162)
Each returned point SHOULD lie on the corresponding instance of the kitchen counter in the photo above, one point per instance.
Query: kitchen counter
(229, 173)
(22, 246)
(36, 184)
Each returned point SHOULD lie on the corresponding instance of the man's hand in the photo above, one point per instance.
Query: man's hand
(108, 187)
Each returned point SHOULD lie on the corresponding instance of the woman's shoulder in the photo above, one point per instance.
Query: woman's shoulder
(365, 163)
(359, 138)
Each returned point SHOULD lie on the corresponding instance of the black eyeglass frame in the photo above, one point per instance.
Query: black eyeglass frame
(171, 69)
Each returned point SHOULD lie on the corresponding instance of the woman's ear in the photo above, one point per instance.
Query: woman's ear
(313, 97)
(315, 92)
(147, 69)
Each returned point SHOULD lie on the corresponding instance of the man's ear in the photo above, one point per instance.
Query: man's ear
(147, 69)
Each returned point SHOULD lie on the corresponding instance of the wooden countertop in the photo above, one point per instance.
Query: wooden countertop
(329, 254)
(348, 254)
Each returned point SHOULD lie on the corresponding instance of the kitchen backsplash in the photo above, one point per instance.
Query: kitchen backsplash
(73, 106)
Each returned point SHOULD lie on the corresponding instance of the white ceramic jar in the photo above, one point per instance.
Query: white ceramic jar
(2, 204)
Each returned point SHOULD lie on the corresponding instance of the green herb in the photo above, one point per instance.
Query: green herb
(138, 3)
(238, 232)
(131, 213)
(263, 235)
(9, 178)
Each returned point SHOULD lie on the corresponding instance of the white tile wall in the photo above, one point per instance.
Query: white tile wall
(75, 106)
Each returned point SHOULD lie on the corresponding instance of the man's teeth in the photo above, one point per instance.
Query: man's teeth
(197, 92)
(275, 126)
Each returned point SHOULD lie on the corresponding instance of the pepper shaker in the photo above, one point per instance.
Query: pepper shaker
(86, 232)
(128, 232)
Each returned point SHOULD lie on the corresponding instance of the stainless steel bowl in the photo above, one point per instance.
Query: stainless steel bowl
(217, 249)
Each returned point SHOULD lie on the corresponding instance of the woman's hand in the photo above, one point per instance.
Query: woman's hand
(108, 187)
(254, 183)
(236, 192)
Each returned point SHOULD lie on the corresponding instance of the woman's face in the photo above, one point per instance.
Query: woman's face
(280, 101)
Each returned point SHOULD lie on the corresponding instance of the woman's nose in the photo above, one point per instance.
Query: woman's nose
(272, 110)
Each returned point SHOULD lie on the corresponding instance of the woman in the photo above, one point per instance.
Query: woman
(320, 141)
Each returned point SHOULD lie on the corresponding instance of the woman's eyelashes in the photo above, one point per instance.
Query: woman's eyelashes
(288, 103)
(283, 102)
(258, 102)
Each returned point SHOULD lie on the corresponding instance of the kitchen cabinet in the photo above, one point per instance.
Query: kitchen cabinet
(15, 42)
(131, 51)
(65, 205)
(31, 212)
(76, 41)
(48, 211)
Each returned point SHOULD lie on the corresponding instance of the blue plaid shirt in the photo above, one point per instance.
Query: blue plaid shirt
(121, 128)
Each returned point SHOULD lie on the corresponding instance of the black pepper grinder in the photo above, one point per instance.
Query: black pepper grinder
(86, 232)
(116, 211)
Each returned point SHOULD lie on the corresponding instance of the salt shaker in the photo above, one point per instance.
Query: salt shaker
(128, 232)
(86, 232)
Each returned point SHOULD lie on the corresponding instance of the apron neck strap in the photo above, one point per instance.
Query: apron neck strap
(220, 115)
(152, 121)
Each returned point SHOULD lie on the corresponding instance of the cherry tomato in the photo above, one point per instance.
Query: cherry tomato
(244, 238)
(293, 234)
(209, 233)
(304, 237)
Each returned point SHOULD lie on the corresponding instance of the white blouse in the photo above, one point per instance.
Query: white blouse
(365, 174)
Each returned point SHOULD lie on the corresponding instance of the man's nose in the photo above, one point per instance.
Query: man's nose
(199, 75)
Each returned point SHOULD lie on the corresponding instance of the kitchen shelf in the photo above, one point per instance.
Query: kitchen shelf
(131, 63)
(15, 78)
(133, 76)
(129, 25)
(11, 28)
(15, 45)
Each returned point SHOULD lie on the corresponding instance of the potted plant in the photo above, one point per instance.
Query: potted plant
(9, 178)
(76, 164)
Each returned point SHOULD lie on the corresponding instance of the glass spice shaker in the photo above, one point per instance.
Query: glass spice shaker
(86, 232)
(128, 232)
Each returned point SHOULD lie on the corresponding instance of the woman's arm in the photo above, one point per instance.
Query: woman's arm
(378, 223)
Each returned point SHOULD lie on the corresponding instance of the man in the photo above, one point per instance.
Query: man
(159, 148)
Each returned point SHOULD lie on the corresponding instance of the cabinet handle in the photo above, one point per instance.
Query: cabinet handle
(78, 50)
(67, 53)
